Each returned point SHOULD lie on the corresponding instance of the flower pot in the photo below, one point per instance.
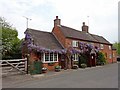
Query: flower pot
(75, 67)
(44, 70)
(57, 68)
(83, 65)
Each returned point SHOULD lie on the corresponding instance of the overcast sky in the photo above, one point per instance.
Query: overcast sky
(102, 20)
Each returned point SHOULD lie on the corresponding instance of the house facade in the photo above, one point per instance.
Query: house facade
(70, 37)
(52, 47)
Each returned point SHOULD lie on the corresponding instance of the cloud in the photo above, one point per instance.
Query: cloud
(103, 15)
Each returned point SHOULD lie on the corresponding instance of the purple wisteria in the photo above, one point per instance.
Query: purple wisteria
(82, 47)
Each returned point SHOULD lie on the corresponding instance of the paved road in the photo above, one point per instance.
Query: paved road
(97, 77)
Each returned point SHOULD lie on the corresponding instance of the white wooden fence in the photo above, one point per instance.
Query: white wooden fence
(15, 66)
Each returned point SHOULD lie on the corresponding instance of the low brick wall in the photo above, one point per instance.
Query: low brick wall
(50, 67)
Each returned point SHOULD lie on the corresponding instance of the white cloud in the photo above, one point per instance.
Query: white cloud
(102, 15)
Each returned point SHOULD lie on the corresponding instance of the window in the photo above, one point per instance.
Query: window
(110, 56)
(50, 57)
(75, 57)
(113, 54)
(46, 56)
(75, 43)
(55, 56)
(109, 47)
(101, 46)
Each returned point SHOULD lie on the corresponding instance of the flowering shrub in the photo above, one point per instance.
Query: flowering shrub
(83, 48)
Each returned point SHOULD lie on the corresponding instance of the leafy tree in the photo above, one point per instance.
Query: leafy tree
(10, 41)
(117, 46)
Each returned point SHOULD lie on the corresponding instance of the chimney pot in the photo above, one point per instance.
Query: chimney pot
(57, 21)
(56, 17)
(83, 23)
(85, 28)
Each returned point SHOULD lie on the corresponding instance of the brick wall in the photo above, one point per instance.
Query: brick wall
(114, 56)
(50, 67)
(66, 42)
(106, 50)
(108, 53)
(59, 35)
(34, 57)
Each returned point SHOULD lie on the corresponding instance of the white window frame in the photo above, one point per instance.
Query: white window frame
(49, 58)
(110, 56)
(101, 46)
(75, 43)
(75, 56)
(113, 55)
(110, 48)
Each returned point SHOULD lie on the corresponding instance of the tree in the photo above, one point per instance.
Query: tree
(117, 46)
(10, 41)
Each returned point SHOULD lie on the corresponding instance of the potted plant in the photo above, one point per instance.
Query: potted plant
(75, 67)
(57, 68)
(83, 65)
(44, 70)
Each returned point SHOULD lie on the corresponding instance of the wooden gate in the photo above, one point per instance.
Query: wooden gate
(15, 66)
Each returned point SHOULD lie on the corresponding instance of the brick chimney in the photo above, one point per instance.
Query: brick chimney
(85, 28)
(57, 21)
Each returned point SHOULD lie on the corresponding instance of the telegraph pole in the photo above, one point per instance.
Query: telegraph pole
(27, 21)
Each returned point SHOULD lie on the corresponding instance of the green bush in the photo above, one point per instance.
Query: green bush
(83, 58)
(101, 59)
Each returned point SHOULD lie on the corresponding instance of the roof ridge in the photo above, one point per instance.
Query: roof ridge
(100, 37)
(71, 28)
(74, 33)
(38, 30)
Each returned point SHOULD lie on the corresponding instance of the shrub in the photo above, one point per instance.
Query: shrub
(101, 59)
(83, 58)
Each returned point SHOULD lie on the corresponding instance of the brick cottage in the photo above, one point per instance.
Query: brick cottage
(62, 46)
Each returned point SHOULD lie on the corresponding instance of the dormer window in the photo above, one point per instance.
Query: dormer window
(75, 43)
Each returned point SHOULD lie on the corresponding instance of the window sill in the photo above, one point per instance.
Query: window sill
(50, 62)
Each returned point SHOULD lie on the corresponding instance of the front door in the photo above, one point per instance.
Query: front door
(93, 60)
